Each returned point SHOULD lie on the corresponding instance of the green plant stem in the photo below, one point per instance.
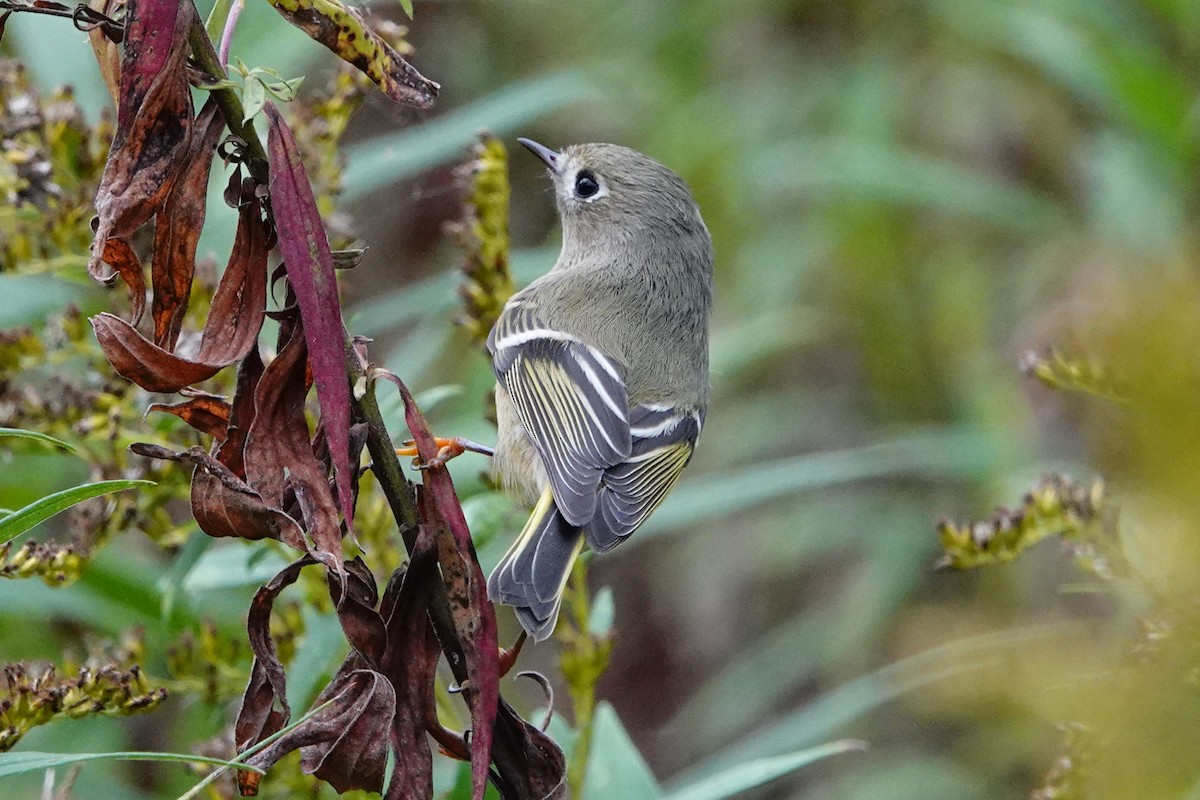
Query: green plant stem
(228, 100)
(580, 666)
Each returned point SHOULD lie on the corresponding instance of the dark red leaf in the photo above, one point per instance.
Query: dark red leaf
(473, 614)
(361, 623)
(278, 454)
(239, 305)
(231, 330)
(309, 263)
(177, 229)
(124, 262)
(410, 663)
(529, 765)
(153, 122)
(206, 413)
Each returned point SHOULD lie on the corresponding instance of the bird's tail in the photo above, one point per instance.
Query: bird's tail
(534, 571)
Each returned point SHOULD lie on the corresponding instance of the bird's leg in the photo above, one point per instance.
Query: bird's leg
(447, 449)
(508, 656)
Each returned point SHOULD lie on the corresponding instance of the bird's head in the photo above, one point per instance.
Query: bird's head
(608, 194)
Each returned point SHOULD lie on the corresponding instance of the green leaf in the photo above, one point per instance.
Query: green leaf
(19, 763)
(383, 160)
(742, 777)
(232, 565)
(41, 510)
(253, 97)
(19, 433)
(491, 514)
(408, 7)
(948, 453)
(603, 613)
(615, 768)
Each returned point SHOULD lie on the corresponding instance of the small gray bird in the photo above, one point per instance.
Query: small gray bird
(602, 368)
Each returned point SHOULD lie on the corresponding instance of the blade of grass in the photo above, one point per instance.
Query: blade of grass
(19, 763)
(239, 761)
(41, 510)
(854, 699)
(19, 433)
(742, 777)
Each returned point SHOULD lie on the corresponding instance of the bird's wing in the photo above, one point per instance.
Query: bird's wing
(663, 441)
(570, 398)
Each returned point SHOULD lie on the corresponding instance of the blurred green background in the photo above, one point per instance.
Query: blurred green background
(904, 197)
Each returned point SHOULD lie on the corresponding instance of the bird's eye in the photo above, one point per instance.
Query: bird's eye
(586, 184)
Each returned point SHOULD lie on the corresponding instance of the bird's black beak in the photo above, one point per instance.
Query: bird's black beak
(544, 153)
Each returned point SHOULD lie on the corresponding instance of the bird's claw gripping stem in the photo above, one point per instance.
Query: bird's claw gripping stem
(447, 449)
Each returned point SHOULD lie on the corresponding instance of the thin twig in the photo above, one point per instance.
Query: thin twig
(235, 12)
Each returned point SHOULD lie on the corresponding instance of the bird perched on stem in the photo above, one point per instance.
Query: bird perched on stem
(602, 368)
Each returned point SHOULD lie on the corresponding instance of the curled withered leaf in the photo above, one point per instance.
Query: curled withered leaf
(309, 263)
(206, 413)
(410, 663)
(177, 229)
(125, 263)
(342, 30)
(264, 708)
(472, 612)
(278, 454)
(544, 682)
(347, 259)
(362, 624)
(235, 318)
(138, 359)
(344, 744)
(154, 120)
(528, 763)
(225, 505)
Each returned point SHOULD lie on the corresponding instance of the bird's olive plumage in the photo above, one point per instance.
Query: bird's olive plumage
(602, 367)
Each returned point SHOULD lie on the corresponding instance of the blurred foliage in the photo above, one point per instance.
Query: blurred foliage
(35, 694)
(904, 197)
(483, 235)
(1054, 507)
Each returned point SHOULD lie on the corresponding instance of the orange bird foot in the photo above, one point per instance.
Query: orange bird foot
(447, 449)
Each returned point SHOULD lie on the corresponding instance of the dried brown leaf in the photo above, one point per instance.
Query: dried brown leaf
(264, 708)
(126, 265)
(231, 330)
(278, 454)
(223, 504)
(177, 229)
(206, 413)
(153, 122)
